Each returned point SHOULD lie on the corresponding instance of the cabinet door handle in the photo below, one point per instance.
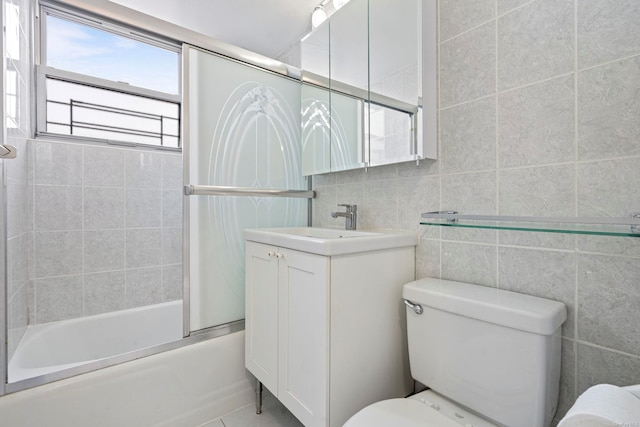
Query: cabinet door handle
(279, 255)
(271, 253)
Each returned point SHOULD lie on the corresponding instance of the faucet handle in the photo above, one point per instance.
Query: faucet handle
(350, 208)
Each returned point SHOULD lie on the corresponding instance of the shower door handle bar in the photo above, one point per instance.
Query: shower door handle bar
(216, 190)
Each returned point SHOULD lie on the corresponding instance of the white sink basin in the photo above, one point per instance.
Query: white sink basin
(331, 241)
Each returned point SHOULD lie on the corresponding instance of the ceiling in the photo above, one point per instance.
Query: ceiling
(267, 27)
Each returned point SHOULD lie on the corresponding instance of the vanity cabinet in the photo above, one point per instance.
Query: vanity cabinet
(326, 334)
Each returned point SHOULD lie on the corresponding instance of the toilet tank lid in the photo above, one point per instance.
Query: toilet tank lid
(510, 309)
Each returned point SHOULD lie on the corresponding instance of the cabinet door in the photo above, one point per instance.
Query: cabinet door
(261, 322)
(304, 335)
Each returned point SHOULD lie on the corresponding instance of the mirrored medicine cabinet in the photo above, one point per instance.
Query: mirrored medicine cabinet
(369, 86)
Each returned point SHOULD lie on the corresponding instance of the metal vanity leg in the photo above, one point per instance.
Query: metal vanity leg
(258, 397)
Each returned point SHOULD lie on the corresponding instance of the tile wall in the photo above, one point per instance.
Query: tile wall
(538, 115)
(107, 229)
(17, 126)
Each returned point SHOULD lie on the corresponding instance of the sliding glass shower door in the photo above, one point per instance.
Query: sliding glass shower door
(243, 131)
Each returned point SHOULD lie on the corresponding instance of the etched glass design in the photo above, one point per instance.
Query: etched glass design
(244, 131)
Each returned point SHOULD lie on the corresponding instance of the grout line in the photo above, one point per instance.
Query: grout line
(497, 145)
(613, 61)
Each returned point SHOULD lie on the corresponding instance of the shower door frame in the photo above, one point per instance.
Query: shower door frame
(135, 19)
(238, 57)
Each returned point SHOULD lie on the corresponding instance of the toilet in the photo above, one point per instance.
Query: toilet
(489, 358)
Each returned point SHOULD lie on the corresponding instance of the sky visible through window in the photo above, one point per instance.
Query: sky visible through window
(86, 50)
(106, 111)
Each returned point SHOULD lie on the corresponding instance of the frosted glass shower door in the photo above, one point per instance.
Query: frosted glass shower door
(243, 131)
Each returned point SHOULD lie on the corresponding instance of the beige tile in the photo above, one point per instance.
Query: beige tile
(608, 110)
(468, 66)
(607, 30)
(535, 43)
(536, 124)
(608, 301)
(457, 17)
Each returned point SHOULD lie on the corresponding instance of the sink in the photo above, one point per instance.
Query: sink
(331, 241)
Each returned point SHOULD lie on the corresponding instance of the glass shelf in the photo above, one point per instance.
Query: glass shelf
(621, 227)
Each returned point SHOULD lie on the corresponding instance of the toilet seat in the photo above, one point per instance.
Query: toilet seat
(425, 409)
(400, 413)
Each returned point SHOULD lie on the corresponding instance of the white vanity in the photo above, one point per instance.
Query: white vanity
(324, 318)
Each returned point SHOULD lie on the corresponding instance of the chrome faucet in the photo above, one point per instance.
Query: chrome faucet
(351, 215)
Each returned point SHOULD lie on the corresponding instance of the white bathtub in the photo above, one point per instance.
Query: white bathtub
(50, 347)
(188, 386)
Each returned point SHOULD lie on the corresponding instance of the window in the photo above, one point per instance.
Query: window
(103, 81)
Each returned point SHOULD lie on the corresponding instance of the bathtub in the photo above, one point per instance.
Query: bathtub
(52, 347)
(187, 386)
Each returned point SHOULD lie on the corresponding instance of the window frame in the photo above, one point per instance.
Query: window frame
(43, 72)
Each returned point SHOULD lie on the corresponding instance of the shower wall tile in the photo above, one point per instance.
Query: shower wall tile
(609, 245)
(542, 273)
(323, 204)
(103, 167)
(505, 6)
(379, 173)
(144, 247)
(542, 191)
(172, 171)
(143, 208)
(609, 188)
(424, 167)
(58, 253)
(598, 40)
(17, 263)
(468, 136)
(468, 66)
(58, 164)
(469, 192)
(472, 263)
(104, 208)
(601, 366)
(350, 176)
(58, 208)
(380, 205)
(143, 169)
(103, 250)
(537, 240)
(172, 208)
(608, 110)
(536, 124)
(19, 218)
(324, 180)
(102, 216)
(104, 292)
(535, 43)
(171, 246)
(144, 287)
(58, 298)
(419, 194)
(171, 282)
(428, 258)
(608, 301)
(457, 17)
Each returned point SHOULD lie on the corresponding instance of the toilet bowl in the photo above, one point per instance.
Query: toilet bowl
(490, 358)
(425, 409)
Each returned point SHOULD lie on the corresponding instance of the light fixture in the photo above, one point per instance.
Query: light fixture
(337, 4)
(318, 16)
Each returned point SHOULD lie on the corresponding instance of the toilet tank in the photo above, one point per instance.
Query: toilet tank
(493, 351)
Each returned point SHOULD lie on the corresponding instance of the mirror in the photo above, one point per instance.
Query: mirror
(362, 87)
